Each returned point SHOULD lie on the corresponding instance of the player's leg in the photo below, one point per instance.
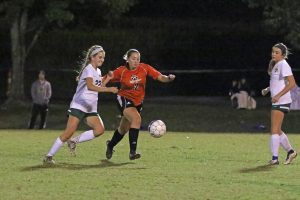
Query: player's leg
(71, 127)
(93, 121)
(34, 114)
(276, 122)
(285, 143)
(43, 114)
(135, 119)
(117, 136)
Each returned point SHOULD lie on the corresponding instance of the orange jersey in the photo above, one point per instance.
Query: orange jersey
(133, 82)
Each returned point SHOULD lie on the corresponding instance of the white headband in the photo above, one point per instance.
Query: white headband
(97, 50)
(125, 57)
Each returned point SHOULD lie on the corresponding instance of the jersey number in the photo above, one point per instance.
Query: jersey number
(98, 82)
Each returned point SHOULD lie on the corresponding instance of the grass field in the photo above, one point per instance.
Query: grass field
(176, 166)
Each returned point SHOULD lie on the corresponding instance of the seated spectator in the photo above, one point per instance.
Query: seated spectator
(244, 98)
(233, 91)
(295, 94)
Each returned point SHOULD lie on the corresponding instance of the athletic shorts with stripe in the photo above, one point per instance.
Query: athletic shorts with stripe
(123, 103)
(285, 108)
(80, 114)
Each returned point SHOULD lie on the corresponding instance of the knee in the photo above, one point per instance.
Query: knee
(98, 131)
(137, 120)
(67, 134)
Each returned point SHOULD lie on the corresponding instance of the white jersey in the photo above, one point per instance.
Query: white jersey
(84, 99)
(277, 82)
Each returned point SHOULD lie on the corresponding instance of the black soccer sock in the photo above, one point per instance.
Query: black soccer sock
(117, 137)
(291, 151)
(133, 137)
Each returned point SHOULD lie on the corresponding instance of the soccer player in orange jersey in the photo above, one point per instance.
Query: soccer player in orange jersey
(132, 78)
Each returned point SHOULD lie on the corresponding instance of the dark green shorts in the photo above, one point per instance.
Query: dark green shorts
(285, 108)
(80, 114)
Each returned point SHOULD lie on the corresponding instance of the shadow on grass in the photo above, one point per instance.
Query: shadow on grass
(70, 166)
(261, 168)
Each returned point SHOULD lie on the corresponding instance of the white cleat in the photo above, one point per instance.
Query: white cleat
(273, 162)
(72, 147)
(290, 157)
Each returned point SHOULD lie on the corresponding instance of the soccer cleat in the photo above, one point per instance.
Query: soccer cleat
(273, 162)
(109, 150)
(290, 157)
(72, 147)
(134, 155)
(48, 160)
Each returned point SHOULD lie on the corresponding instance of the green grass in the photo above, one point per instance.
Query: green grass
(176, 166)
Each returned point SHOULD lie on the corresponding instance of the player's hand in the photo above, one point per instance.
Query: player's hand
(171, 77)
(275, 99)
(110, 75)
(114, 90)
(264, 92)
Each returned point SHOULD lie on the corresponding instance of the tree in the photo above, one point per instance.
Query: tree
(282, 16)
(28, 18)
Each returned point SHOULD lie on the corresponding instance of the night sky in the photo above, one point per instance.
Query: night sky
(224, 35)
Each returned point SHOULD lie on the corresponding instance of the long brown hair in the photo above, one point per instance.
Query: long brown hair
(271, 65)
(128, 54)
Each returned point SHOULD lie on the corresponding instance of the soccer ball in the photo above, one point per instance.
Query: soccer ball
(157, 128)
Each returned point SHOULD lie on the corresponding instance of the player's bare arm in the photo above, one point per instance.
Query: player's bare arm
(166, 79)
(91, 86)
(107, 78)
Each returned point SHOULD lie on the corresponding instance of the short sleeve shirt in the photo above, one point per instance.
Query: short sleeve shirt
(277, 82)
(84, 99)
(133, 82)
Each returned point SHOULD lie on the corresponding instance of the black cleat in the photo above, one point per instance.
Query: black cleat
(109, 151)
(134, 155)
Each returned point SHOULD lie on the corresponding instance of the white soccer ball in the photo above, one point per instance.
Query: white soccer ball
(157, 128)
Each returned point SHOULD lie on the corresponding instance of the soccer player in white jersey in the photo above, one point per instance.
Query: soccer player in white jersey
(281, 82)
(84, 103)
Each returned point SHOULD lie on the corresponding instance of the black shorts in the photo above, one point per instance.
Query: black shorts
(285, 108)
(123, 103)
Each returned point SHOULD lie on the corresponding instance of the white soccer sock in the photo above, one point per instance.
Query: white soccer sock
(55, 147)
(275, 144)
(85, 136)
(284, 141)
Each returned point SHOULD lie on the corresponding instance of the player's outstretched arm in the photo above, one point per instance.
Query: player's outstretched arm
(166, 79)
(107, 78)
(91, 86)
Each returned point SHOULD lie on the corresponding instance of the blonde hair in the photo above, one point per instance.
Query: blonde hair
(92, 51)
